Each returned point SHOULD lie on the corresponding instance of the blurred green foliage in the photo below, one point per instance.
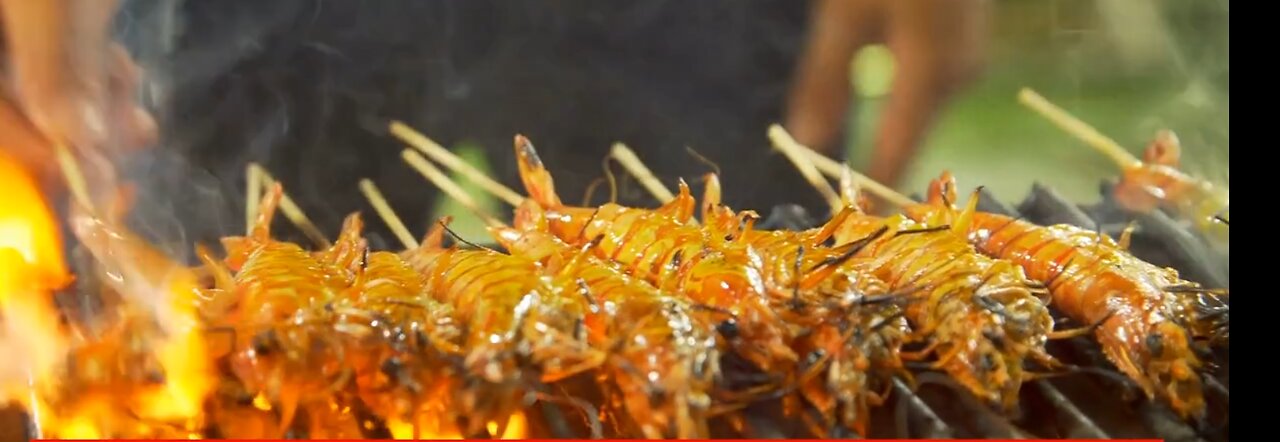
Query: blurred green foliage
(465, 223)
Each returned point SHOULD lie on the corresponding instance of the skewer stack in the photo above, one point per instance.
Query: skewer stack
(344, 341)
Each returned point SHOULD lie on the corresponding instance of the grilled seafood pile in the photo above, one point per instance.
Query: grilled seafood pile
(672, 320)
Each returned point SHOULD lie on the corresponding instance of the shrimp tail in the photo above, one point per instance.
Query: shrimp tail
(942, 190)
(238, 247)
(533, 173)
(1165, 149)
(434, 238)
(529, 216)
(830, 228)
(711, 195)
(964, 219)
(348, 250)
(682, 207)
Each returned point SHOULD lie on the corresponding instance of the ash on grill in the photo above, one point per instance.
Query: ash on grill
(939, 408)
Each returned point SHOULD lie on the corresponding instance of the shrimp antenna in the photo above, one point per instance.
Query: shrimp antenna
(613, 181)
(591, 190)
(609, 178)
(1078, 128)
(1218, 216)
(632, 163)
(460, 239)
(71, 173)
(291, 209)
(623, 155)
(441, 155)
(387, 214)
(702, 159)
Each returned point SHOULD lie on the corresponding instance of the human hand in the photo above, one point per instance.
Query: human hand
(938, 46)
(70, 83)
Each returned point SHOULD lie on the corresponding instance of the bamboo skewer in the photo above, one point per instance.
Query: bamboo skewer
(432, 173)
(834, 170)
(794, 152)
(72, 174)
(291, 209)
(441, 155)
(636, 168)
(387, 214)
(632, 163)
(1078, 128)
(441, 180)
(252, 197)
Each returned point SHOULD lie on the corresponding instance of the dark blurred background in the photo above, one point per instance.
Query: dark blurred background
(306, 88)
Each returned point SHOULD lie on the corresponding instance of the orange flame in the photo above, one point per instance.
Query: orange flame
(431, 428)
(31, 267)
(168, 291)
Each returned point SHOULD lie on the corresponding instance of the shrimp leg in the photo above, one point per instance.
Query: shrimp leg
(1081, 331)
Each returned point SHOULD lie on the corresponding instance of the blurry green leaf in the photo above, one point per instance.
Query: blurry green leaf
(466, 224)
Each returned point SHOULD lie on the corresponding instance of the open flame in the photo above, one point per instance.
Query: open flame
(31, 268)
(161, 325)
(431, 428)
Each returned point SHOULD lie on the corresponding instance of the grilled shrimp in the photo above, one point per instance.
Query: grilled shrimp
(663, 248)
(408, 340)
(664, 361)
(981, 316)
(857, 342)
(514, 321)
(1157, 182)
(285, 347)
(1146, 317)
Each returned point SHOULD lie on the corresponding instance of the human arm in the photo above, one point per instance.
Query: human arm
(938, 47)
(65, 76)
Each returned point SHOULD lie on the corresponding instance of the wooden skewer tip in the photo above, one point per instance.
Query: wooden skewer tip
(451, 188)
(387, 214)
